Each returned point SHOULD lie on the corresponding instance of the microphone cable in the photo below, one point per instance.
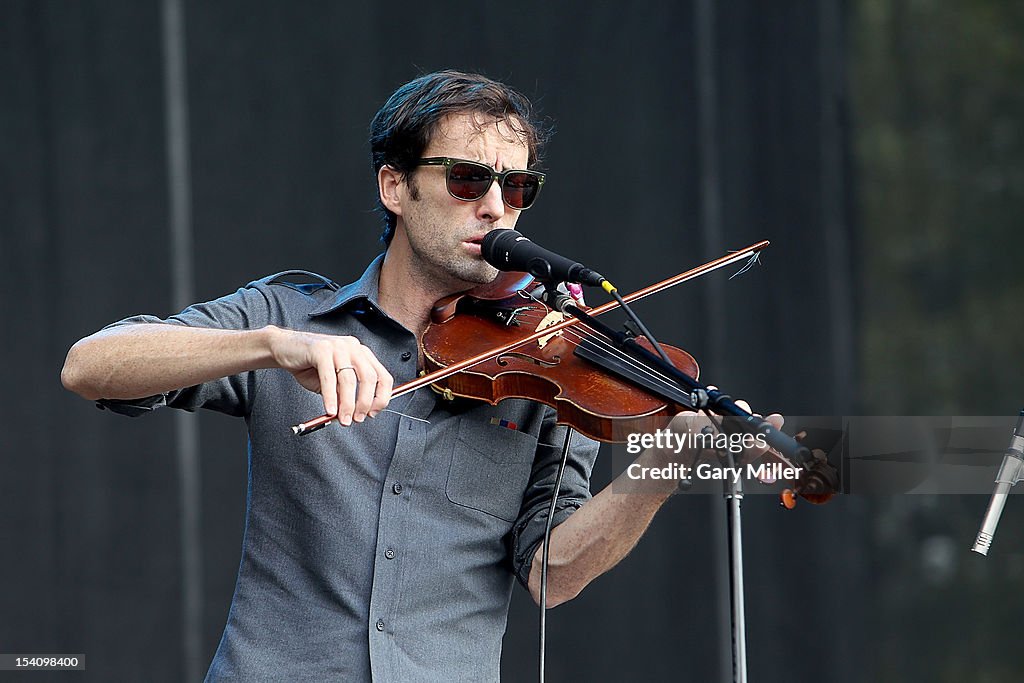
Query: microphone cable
(546, 547)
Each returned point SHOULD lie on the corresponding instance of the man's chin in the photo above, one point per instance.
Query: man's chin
(479, 273)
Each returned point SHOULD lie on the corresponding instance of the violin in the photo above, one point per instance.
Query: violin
(501, 341)
(591, 387)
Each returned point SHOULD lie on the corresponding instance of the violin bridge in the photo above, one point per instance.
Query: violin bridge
(552, 318)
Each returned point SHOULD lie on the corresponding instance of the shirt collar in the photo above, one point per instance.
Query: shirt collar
(365, 287)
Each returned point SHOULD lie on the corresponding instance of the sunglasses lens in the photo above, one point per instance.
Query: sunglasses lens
(469, 181)
(520, 189)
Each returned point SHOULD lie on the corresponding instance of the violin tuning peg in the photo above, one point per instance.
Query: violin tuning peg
(788, 499)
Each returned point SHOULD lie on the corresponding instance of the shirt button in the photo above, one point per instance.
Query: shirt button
(406, 355)
(380, 624)
(389, 553)
(397, 488)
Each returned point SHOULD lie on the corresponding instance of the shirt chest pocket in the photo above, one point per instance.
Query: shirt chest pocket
(490, 469)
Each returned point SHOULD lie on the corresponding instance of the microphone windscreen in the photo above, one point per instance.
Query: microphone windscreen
(497, 244)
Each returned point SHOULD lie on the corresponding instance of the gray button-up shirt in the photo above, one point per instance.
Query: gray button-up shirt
(386, 549)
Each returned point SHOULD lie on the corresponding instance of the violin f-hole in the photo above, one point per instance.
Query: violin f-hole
(503, 359)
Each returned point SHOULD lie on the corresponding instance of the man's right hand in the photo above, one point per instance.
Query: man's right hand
(352, 382)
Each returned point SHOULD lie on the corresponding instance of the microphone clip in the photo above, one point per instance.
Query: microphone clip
(555, 296)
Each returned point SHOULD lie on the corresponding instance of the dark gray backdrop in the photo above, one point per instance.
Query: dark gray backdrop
(683, 129)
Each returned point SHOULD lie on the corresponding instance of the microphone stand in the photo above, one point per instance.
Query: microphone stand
(733, 492)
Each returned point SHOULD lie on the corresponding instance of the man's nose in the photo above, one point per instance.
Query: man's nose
(491, 206)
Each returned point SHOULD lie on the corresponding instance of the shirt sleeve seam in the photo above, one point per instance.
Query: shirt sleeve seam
(259, 374)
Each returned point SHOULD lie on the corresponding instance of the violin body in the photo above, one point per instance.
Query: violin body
(586, 397)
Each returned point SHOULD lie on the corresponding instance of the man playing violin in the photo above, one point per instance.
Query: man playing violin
(385, 548)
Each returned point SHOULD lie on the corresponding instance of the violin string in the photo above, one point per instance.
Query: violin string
(653, 374)
(573, 334)
(606, 346)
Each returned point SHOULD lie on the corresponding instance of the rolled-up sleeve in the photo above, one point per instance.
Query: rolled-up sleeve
(246, 309)
(528, 530)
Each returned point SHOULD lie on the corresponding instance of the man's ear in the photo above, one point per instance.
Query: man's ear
(391, 188)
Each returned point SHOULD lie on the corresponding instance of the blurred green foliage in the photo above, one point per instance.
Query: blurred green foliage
(938, 134)
(938, 111)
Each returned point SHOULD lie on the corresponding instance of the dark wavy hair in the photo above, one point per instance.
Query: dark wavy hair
(405, 125)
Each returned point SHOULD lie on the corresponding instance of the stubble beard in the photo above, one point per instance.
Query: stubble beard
(474, 270)
(450, 267)
(457, 269)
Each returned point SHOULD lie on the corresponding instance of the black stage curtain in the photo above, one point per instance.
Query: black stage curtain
(683, 129)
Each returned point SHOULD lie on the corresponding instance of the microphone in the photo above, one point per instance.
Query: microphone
(507, 249)
(1009, 474)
